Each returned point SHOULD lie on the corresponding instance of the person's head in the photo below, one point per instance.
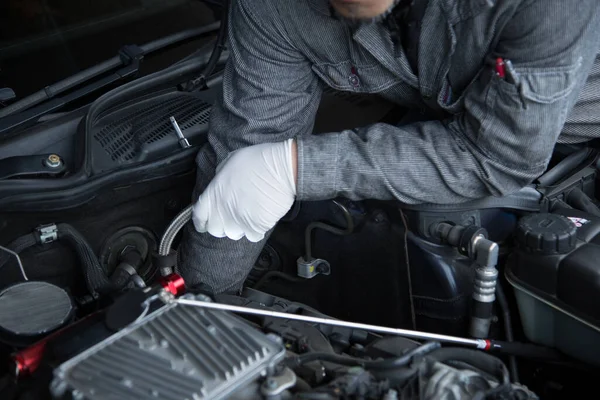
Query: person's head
(362, 9)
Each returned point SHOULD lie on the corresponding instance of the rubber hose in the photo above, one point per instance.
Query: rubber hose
(508, 330)
(18, 245)
(565, 166)
(483, 361)
(527, 350)
(96, 277)
(581, 201)
(217, 50)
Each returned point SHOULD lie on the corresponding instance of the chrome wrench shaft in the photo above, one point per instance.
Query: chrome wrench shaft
(476, 343)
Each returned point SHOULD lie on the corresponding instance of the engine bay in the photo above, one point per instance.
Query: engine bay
(496, 299)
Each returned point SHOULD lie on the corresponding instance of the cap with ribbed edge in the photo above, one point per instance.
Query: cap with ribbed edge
(547, 234)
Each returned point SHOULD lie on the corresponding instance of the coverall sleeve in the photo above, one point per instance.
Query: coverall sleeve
(270, 92)
(500, 143)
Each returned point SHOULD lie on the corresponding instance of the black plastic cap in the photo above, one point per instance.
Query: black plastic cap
(547, 234)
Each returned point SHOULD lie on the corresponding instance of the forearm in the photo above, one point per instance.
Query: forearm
(420, 163)
(501, 140)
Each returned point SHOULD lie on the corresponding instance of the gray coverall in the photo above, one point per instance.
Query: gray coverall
(482, 135)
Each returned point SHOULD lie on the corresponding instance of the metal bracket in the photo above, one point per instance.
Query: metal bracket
(275, 385)
(48, 233)
(311, 268)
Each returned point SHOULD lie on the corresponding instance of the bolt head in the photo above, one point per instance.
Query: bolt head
(271, 383)
(53, 161)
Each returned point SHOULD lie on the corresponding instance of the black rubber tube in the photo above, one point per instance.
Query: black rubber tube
(101, 68)
(565, 166)
(581, 201)
(526, 350)
(508, 330)
(216, 53)
(95, 276)
(388, 364)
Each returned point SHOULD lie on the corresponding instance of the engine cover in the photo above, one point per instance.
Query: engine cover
(177, 352)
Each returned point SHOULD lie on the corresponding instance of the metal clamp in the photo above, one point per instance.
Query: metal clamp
(48, 233)
(310, 268)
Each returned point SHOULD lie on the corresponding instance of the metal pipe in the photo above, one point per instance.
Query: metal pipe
(328, 228)
(476, 343)
(9, 251)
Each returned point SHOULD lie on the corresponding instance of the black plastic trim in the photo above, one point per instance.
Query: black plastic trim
(60, 195)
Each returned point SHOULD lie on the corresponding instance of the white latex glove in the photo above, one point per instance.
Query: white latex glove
(252, 190)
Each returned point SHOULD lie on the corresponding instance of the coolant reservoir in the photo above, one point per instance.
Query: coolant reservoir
(556, 276)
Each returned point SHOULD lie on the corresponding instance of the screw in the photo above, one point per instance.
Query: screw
(172, 204)
(53, 161)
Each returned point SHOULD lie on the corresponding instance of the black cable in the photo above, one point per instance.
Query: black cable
(95, 276)
(200, 81)
(508, 330)
(387, 364)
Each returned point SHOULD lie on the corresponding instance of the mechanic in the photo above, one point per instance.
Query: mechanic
(494, 84)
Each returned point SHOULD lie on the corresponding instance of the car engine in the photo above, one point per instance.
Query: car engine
(140, 333)
(154, 342)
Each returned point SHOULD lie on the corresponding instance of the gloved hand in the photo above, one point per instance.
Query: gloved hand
(252, 190)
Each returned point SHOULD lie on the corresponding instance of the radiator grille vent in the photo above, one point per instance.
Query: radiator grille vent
(125, 134)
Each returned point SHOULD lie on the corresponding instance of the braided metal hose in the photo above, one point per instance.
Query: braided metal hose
(166, 242)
